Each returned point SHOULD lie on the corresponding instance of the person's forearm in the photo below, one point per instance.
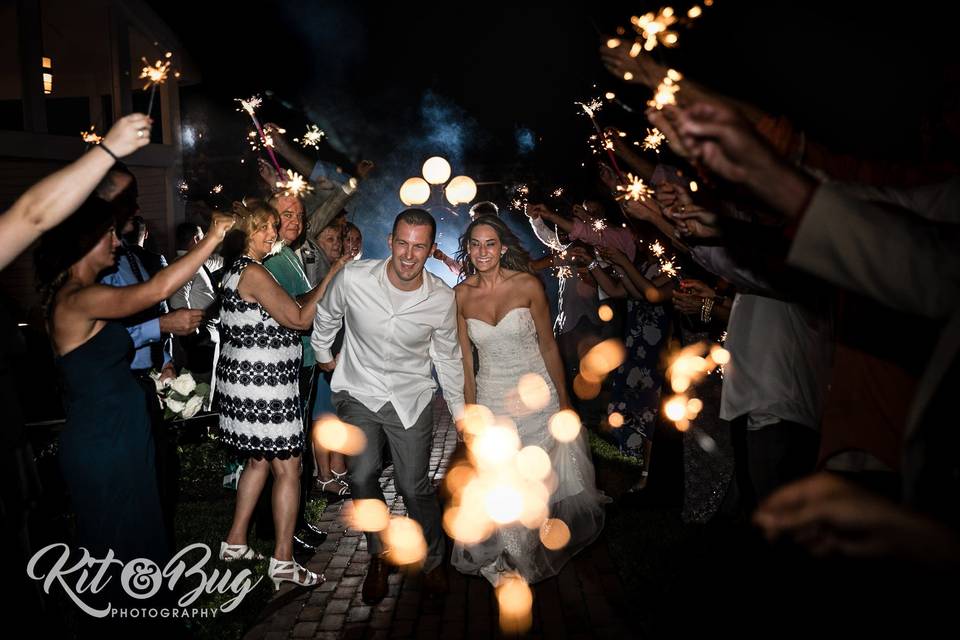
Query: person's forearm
(47, 203)
(784, 188)
(642, 167)
(608, 284)
(301, 163)
(559, 221)
(645, 289)
(184, 268)
(546, 262)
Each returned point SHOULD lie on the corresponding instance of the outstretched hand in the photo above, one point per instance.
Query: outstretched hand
(829, 516)
(128, 134)
(720, 138)
(642, 68)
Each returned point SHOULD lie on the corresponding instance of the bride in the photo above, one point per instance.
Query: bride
(503, 311)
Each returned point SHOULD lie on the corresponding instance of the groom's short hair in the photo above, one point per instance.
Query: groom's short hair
(416, 217)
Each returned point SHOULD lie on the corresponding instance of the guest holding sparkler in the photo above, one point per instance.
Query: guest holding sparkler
(106, 447)
(48, 202)
(882, 248)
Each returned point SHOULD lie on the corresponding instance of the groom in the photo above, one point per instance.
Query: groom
(399, 320)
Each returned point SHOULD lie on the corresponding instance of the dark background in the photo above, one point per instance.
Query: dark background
(398, 83)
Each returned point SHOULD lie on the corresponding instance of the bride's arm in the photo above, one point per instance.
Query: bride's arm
(469, 382)
(540, 311)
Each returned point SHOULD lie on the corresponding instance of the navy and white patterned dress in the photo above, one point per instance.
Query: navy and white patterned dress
(257, 377)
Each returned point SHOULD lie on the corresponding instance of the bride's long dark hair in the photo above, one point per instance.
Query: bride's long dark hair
(516, 258)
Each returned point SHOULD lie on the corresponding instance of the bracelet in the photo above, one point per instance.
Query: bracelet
(107, 149)
(706, 309)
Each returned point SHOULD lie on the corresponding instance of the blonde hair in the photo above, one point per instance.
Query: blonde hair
(252, 215)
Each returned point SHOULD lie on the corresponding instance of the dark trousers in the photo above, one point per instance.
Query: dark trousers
(411, 468)
(767, 458)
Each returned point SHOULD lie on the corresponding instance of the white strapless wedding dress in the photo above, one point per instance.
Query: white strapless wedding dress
(507, 351)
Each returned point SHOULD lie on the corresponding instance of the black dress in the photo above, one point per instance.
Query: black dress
(106, 451)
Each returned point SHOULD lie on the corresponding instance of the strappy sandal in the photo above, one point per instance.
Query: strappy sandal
(290, 571)
(231, 552)
(344, 487)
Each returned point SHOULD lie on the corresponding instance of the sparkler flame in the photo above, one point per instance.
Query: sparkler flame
(250, 105)
(599, 225)
(653, 29)
(666, 90)
(653, 140)
(656, 248)
(312, 137)
(635, 189)
(91, 136)
(154, 74)
(217, 188)
(294, 185)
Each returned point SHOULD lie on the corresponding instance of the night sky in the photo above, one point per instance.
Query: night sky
(478, 83)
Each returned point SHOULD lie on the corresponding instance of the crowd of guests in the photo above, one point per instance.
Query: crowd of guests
(797, 260)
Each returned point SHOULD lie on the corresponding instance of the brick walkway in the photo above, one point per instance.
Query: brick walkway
(582, 602)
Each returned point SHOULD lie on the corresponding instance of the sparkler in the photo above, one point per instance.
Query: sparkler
(294, 185)
(312, 137)
(599, 225)
(250, 106)
(217, 188)
(635, 189)
(154, 75)
(656, 248)
(590, 110)
(654, 29)
(90, 136)
(653, 140)
(666, 90)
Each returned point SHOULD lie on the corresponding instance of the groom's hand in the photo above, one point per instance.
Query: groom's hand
(328, 366)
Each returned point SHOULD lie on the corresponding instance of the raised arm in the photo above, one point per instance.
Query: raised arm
(50, 201)
(260, 285)
(107, 303)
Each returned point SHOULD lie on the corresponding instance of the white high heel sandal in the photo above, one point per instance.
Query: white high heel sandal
(231, 552)
(290, 571)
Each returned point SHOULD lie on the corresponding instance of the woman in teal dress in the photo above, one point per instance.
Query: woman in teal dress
(106, 450)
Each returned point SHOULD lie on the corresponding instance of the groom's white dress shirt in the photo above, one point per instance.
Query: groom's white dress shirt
(387, 351)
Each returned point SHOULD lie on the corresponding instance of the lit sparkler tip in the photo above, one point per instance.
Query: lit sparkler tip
(217, 188)
(656, 248)
(250, 105)
(635, 189)
(91, 136)
(154, 74)
(599, 225)
(653, 140)
(312, 137)
(294, 185)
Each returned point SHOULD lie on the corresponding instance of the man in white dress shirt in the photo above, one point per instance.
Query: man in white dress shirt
(399, 322)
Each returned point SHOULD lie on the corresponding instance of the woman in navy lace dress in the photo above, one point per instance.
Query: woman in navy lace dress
(258, 379)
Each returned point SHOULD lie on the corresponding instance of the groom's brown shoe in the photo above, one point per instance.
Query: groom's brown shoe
(375, 584)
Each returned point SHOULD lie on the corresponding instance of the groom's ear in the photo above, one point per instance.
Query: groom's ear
(433, 249)
(390, 242)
